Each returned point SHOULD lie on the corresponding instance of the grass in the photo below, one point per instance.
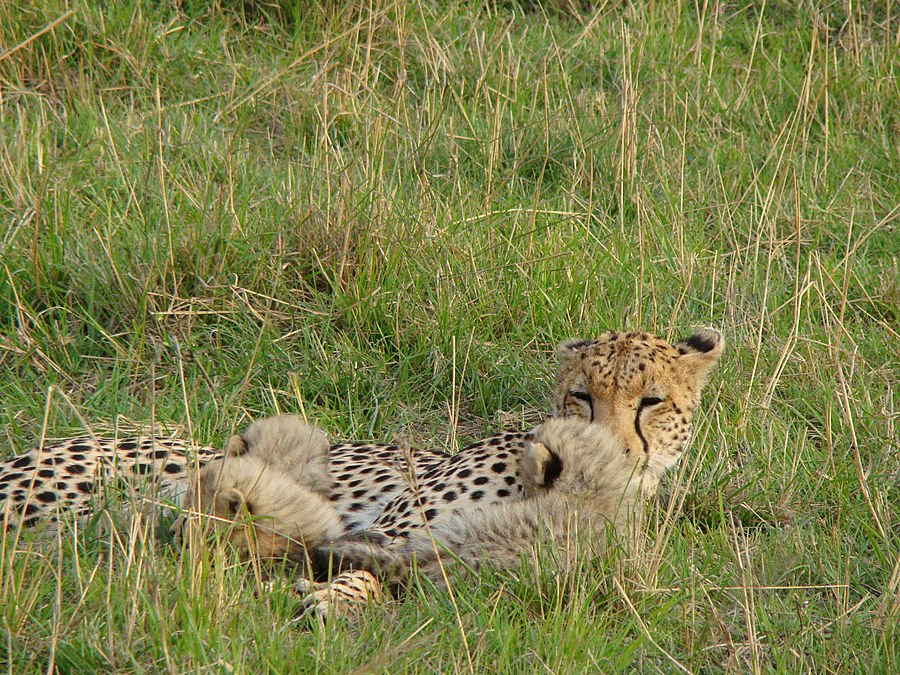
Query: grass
(386, 215)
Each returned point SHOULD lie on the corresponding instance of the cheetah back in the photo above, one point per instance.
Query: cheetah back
(69, 476)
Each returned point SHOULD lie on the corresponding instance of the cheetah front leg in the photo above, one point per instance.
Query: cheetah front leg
(346, 596)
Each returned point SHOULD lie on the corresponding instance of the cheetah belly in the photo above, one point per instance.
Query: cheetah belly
(368, 476)
(483, 473)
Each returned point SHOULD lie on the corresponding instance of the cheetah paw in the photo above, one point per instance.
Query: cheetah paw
(345, 597)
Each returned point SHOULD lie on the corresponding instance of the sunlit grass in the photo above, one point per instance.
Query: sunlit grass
(386, 215)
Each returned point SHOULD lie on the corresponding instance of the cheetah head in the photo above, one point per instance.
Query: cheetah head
(225, 493)
(644, 388)
(255, 506)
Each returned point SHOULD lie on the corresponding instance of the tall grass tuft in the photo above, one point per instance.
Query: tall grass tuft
(385, 215)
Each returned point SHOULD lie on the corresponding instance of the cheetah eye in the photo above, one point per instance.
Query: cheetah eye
(650, 400)
(580, 395)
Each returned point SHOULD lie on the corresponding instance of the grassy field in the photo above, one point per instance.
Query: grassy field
(385, 215)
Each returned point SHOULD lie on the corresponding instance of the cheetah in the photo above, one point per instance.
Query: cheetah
(581, 485)
(640, 388)
(280, 463)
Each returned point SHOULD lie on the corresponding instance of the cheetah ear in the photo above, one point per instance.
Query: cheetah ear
(701, 351)
(539, 466)
(571, 349)
(236, 446)
(229, 502)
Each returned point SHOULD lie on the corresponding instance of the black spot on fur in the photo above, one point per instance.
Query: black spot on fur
(46, 473)
(552, 469)
(499, 467)
(354, 483)
(465, 473)
(478, 494)
(503, 493)
(430, 513)
(22, 462)
(159, 454)
(30, 510)
(357, 506)
(77, 457)
(47, 497)
(86, 487)
(450, 496)
(172, 468)
(509, 480)
(79, 447)
(143, 469)
(359, 493)
(481, 480)
(13, 476)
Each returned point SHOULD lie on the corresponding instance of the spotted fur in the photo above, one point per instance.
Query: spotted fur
(598, 489)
